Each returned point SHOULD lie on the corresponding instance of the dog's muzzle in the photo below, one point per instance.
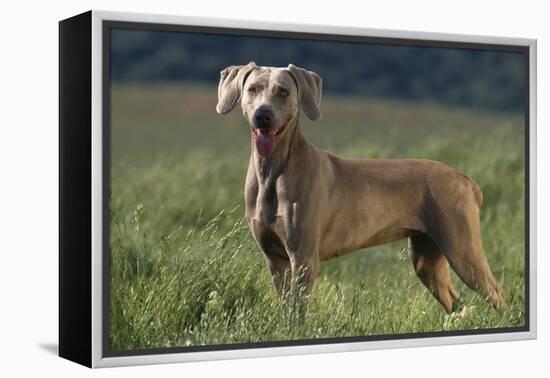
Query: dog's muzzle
(264, 132)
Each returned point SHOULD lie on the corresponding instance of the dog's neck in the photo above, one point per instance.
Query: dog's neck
(284, 157)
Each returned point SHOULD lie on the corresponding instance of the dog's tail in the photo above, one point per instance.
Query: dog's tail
(478, 195)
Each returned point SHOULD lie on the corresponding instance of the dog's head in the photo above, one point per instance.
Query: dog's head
(271, 99)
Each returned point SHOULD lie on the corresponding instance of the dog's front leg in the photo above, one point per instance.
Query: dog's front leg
(305, 267)
(301, 241)
(281, 272)
(302, 247)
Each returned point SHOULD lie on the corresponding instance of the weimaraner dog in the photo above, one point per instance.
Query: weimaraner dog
(305, 205)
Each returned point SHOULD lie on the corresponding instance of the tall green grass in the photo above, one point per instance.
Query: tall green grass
(185, 270)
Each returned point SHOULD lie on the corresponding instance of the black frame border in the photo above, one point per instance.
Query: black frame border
(75, 188)
(108, 25)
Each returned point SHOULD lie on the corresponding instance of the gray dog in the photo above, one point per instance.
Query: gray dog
(304, 205)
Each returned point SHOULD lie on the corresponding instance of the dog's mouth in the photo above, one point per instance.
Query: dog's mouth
(266, 138)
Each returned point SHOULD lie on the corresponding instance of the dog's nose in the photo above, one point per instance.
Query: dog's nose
(263, 118)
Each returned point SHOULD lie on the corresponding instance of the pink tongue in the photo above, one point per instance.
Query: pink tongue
(265, 143)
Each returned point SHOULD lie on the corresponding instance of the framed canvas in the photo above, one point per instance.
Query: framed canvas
(234, 189)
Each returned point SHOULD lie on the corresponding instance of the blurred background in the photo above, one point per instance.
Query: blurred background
(178, 171)
(473, 78)
(357, 74)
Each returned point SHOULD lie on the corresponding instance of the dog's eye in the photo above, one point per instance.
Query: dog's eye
(283, 92)
(252, 90)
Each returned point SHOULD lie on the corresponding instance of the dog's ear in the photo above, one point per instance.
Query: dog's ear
(310, 88)
(231, 85)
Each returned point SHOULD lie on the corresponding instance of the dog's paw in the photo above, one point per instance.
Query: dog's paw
(454, 319)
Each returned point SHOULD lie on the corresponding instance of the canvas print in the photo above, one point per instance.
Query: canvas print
(285, 189)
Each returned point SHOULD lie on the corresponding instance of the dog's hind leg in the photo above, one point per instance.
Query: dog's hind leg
(432, 268)
(462, 245)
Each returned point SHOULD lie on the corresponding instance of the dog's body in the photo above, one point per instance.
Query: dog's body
(304, 205)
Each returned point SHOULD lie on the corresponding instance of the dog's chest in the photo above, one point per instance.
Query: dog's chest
(268, 210)
(265, 203)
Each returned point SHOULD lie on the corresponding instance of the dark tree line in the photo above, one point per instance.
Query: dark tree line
(465, 77)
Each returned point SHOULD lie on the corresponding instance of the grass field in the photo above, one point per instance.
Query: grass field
(185, 270)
